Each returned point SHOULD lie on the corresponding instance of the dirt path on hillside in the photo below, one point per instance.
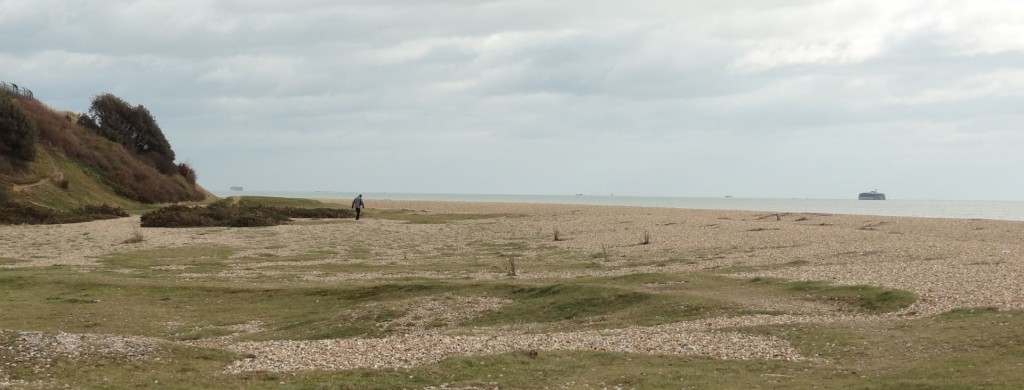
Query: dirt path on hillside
(54, 177)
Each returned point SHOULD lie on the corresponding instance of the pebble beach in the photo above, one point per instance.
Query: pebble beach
(948, 263)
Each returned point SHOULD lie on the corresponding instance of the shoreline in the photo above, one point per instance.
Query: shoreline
(484, 206)
(1004, 210)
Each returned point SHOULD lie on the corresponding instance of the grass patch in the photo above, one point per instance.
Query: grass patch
(870, 299)
(964, 348)
(67, 301)
(982, 349)
(498, 247)
(269, 201)
(358, 252)
(192, 259)
(9, 261)
(314, 255)
(410, 216)
(560, 302)
(238, 212)
(17, 213)
(968, 312)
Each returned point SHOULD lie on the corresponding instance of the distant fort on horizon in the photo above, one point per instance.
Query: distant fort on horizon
(871, 195)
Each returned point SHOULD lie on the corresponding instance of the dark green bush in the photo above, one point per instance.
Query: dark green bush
(187, 172)
(178, 216)
(296, 212)
(103, 209)
(18, 134)
(133, 127)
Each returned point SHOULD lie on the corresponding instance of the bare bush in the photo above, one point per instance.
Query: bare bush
(135, 237)
(510, 264)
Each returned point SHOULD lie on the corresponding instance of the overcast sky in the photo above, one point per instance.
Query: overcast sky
(756, 98)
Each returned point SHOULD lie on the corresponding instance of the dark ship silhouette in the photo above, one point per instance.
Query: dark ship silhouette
(873, 195)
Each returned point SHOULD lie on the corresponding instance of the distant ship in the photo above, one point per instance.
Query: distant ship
(873, 195)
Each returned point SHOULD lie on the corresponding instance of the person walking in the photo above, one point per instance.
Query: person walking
(357, 204)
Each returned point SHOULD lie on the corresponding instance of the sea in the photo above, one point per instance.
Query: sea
(963, 209)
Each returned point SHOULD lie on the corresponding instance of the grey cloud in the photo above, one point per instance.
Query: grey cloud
(769, 98)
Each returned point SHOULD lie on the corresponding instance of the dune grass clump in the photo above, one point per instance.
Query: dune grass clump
(136, 237)
(510, 265)
(235, 213)
(18, 213)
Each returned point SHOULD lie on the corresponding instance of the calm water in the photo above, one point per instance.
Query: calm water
(1004, 210)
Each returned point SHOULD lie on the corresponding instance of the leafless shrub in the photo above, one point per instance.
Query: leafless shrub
(510, 264)
(135, 237)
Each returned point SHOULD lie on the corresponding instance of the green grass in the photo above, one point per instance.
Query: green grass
(182, 294)
(9, 261)
(358, 252)
(965, 348)
(968, 312)
(560, 302)
(862, 358)
(313, 255)
(411, 216)
(182, 259)
(290, 202)
(870, 299)
(983, 349)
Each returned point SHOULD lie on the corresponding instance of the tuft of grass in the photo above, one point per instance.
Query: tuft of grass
(135, 237)
(603, 254)
(646, 239)
(557, 238)
(510, 265)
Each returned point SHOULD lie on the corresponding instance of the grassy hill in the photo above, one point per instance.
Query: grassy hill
(74, 165)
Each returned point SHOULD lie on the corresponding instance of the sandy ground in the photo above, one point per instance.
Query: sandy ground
(949, 263)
